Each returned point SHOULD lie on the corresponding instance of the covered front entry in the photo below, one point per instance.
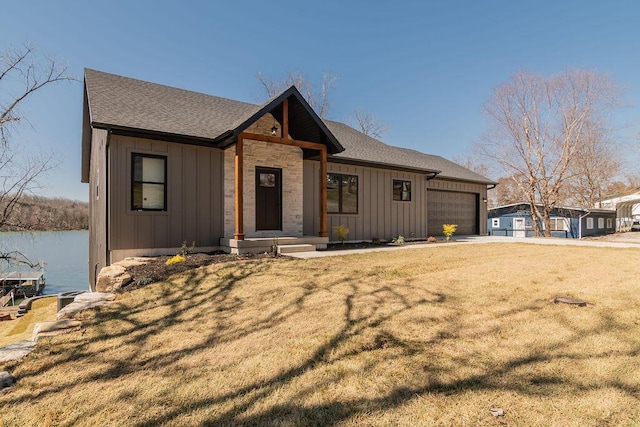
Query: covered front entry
(268, 198)
(451, 207)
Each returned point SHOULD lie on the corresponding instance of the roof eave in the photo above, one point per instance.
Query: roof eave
(159, 135)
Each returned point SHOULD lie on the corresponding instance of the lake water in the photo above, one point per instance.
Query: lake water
(66, 254)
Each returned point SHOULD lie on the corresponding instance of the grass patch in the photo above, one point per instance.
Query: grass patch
(42, 309)
(414, 337)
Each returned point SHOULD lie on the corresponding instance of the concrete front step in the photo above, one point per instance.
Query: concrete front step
(289, 249)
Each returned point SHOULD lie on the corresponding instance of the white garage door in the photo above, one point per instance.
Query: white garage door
(448, 207)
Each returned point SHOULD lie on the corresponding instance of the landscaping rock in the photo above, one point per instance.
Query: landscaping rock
(54, 327)
(16, 351)
(84, 302)
(6, 379)
(94, 297)
(112, 278)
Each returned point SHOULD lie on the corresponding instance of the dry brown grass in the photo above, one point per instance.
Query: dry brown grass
(433, 336)
(42, 310)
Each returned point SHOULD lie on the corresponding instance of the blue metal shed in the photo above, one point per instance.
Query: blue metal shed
(516, 220)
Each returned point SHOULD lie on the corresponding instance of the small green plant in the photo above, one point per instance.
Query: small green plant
(341, 232)
(448, 230)
(431, 239)
(175, 260)
(399, 240)
(186, 250)
(144, 281)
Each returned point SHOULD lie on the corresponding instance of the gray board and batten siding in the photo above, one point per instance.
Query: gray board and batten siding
(379, 216)
(98, 251)
(194, 210)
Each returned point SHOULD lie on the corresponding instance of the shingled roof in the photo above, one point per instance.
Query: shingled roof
(125, 103)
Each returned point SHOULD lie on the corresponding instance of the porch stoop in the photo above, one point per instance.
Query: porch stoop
(254, 245)
(289, 249)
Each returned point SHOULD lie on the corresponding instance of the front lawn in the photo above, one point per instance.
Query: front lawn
(433, 336)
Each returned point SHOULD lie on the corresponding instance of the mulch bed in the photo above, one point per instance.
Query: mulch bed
(156, 270)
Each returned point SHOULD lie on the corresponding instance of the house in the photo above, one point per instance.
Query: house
(516, 220)
(627, 207)
(167, 165)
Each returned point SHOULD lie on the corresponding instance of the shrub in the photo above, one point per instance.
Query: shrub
(175, 260)
(448, 230)
(186, 250)
(431, 239)
(399, 240)
(341, 232)
(375, 240)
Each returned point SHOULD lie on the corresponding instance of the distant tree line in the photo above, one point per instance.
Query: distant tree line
(35, 213)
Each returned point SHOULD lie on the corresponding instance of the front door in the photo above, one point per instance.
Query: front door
(268, 199)
(519, 227)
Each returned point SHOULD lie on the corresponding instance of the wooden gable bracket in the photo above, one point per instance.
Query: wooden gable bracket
(285, 140)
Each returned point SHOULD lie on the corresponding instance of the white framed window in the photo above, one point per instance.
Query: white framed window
(558, 224)
(495, 222)
(600, 223)
(589, 223)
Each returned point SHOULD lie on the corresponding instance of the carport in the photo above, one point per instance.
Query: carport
(624, 214)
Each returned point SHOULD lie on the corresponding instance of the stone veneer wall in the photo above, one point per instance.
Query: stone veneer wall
(258, 153)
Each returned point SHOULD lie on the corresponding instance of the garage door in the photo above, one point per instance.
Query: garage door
(447, 207)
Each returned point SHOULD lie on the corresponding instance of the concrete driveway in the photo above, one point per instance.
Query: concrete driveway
(618, 240)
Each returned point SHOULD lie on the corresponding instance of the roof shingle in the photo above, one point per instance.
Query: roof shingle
(135, 104)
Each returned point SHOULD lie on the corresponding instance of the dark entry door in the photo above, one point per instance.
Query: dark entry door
(268, 199)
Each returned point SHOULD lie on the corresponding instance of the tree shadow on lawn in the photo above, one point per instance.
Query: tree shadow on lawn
(368, 337)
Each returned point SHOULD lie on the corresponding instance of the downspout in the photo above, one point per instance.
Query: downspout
(580, 224)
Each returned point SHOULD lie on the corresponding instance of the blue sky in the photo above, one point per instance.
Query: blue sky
(425, 68)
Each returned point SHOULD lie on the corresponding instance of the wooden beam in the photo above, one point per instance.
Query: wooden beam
(239, 232)
(278, 140)
(285, 119)
(323, 192)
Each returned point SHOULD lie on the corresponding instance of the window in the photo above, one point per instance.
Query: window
(558, 224)
(149, 182)
(609, 222)
(342, 193)
(589, 223)
(401, 190)
(495, 222)
(600, 222)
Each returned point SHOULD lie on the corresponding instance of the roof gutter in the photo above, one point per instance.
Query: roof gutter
(492, 186)
(431, 175)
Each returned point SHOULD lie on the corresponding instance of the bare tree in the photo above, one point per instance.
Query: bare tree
(368, 124)
(537, 126)
(23, 73)
(317, 99)
(593, 171)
